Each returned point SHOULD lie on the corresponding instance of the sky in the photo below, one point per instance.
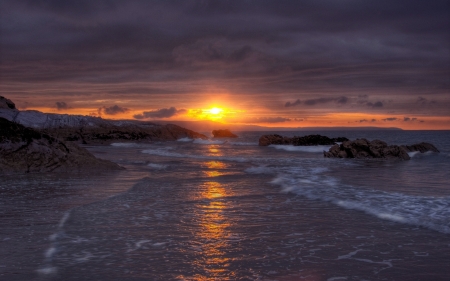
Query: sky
(271, 63)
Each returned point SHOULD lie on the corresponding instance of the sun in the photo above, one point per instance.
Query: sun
(215, 110)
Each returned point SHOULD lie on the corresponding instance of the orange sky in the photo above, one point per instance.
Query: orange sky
(321, 64)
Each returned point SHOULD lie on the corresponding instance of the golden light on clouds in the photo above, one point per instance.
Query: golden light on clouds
(213, 113)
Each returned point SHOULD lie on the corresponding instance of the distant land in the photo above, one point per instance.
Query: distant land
(208, 126)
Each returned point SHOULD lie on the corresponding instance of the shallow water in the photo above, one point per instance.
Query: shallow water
(230, 210)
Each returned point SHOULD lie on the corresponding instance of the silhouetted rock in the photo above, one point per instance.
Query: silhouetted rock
(6, 103)
(223, 134)
(93, 130)
(308, 140)
(421, 147)
(362, 148)
(24, 150)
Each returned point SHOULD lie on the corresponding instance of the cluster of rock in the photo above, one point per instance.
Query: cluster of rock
(223, 134)
(362, 148)
(28, 150)
(32, 141)
(309, 140)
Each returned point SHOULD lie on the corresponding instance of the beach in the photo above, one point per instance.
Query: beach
(228, 209)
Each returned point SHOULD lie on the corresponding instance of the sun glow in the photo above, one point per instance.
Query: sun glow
(215, 110)
(213, 113)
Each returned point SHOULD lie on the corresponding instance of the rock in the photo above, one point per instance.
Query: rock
(362, 148)
(93, 130)
(6, 103)
(25, 150)
(308, 140)
(223, 134)
(421, 147)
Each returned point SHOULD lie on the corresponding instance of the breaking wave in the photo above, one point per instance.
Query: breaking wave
(426, 211)
(166, 153)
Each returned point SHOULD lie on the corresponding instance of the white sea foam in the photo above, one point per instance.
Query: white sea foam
(430, 212)
(312, 149)
(165, 153)
(260, 170)
(244, 143)
(157, 166)
(208, 141)
(411, 154)
(185, 139)
(124, 144)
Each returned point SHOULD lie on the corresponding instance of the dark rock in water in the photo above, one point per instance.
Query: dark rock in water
(24, 150)
(308, 140)
(223, 134)
(421, 147)
(6, 103)
(362, 148)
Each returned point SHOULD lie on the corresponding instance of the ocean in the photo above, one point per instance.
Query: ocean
(229, 209)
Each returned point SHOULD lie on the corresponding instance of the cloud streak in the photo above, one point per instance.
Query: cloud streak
(316, 101)
(160, 113)
(112, 110)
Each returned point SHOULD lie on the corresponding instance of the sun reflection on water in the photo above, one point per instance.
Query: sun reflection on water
(213, 233)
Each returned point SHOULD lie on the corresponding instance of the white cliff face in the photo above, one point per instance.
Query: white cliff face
(39, 120)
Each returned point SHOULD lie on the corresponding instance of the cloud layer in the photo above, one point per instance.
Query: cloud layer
(281, 55)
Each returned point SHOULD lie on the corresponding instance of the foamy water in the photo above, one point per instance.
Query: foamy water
(231, 210)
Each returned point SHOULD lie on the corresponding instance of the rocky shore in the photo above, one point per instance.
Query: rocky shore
(359, 148)
(25, 150)
(362, 148)
(93, 130)
(309, 140)
(223, 134)
(32, 141)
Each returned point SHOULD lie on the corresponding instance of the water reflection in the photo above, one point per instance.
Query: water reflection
(215, 165)
(213, 150)
(214, 234)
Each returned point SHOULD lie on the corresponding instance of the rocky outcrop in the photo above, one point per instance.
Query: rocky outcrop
(362, 148)
(129, 132)
(25, 150)
(223, 134)
(6, 103)
(421, 147)
(93, 130)
(308, 140)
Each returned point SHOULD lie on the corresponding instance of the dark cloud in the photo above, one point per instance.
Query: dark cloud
(408, 119)
(267, 120)
(376, 104)
(365, 120)
(112, 110)
(390, 119)
(60, 105)
(160, 113)
(289, 104)
(325, 49)
(311, 102)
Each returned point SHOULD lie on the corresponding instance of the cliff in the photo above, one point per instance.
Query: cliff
(25, 150)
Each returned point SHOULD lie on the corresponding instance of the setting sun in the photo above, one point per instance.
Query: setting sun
(215, 110)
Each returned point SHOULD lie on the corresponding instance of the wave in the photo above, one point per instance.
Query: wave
(312, 149)
(186, 139)
(124, 144)
(429, 212)
(244, 143)
(166, 153)
(200, 141)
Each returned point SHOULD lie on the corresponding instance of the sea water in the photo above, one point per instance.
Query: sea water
(229, 209)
